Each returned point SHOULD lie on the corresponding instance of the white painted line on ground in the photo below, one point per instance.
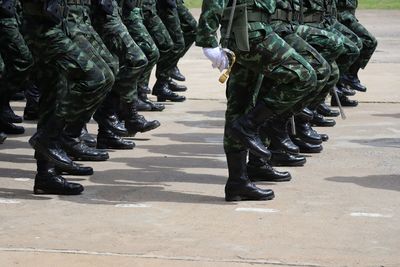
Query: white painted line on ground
(132, 206)
(8, 201)
(257, 210)
(371, 215)
(22, 179)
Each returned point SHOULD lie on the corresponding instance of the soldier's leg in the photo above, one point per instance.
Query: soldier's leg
(330, 46)
(164, 43)
(368, 48)
(18, 61)
(135, 24)
(168, 61)
(289, 79)
(132, 63)
(189, 29)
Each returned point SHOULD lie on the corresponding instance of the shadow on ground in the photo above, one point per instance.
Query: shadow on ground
(379, 142)
(386, 182)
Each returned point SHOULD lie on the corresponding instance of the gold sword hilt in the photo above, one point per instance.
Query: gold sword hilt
(232, 59)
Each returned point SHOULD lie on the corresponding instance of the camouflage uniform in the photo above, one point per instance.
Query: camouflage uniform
(347, 17)
(132, 61)
(188, 25)
(169, 16)
(285, 22)
(73, 67)
(16, 55)
(288, 76)
(134, 21)
(322, 14)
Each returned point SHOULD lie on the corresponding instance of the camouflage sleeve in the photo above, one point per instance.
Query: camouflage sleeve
(209, 22)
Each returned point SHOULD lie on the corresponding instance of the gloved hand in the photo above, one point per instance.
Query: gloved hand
(217, 56)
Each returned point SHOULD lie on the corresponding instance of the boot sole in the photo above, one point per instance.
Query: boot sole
(244, 198)
(56, 192)
(294, 164)
(114, 147)
(162, 99)
(88, 158)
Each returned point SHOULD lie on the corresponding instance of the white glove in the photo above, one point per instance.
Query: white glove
(217, 56)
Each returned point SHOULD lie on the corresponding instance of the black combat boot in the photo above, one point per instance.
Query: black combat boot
(351, 78)
(48, 181)
(326, 111)
(344, 101)
(108, 140)
(134, 122)
(345, 90)
(7, 113)
(106, 116)
(75, 148)
(319, 120)
(283, 158)
(47, 145)
(246, 129)
(307, 147)
(3, 137)
(239, 187)
(277, 132)
(174, 87)
(177, 75)
(305, 132)
(10, 128)
(163, 92)
(146, 103)
(32, 95)
(258, 169)
(87, 138)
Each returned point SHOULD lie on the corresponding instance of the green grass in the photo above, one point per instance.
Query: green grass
(365, 4)
(379, 4)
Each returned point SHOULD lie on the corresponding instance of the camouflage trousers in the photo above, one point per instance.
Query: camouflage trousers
(330, 46)
(188, 25)
(369, 42)
(168, 61)
(73, 77)
(134, 22)
(284, 79)
(132, 61)
(287, 32)
(17, 59)
(353, 46)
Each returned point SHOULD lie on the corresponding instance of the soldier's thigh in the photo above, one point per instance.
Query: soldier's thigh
(158, 31)
(13, 48)
(339, 27)
(273, 53)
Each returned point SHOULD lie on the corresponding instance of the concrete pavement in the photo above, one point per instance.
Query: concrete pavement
(162, 203)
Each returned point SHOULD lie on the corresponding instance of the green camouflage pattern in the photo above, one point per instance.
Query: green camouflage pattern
(132, 61)
(160, 34)
(134, 22)
(188, 26)
(288, 77)
(168, 61)
(369, 42)
(73, 77)
(16, 59)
